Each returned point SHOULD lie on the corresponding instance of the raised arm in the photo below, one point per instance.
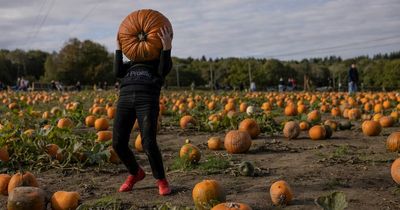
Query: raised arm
(165, 65)
(119, 67)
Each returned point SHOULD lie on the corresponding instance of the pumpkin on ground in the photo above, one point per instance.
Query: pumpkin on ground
(291, 130)
(280, 192)
(4, 156)
(214, 143)
(103, 136)
(4, 180)
(65, 123)
(371, 128)
(393, 142)
(190, 153)
(317, 132)
(232, 206)
(304, 126)
(395, 170)
(250, 126)
(138, 143)
(138, 34)
(62, 200)
(89, 120)
(207, 194)
(386, 121)
(101, 124)
(237, 142)
(20, 180)
(24, 198)
(187, 121)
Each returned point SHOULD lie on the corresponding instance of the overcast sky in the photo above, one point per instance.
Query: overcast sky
(284, 29)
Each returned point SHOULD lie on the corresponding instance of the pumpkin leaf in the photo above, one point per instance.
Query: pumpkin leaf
(334, 201)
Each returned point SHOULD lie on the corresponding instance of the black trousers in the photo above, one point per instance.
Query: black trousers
(143, 106)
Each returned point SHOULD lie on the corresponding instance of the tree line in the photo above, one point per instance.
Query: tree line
(90, 62)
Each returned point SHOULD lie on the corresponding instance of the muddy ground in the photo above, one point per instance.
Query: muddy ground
(357, 165)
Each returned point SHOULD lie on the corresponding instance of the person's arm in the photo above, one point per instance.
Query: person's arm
(119, 67)
(165, 65)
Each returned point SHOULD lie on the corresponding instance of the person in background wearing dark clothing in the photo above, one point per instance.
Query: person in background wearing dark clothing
(78, 86)
(281, 86)
(139, 99)
(53, 85)
(241, 86)
(2, 86)
(353, 79)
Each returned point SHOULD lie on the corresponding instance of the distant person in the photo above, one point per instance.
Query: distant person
(105, 84)
(353, 79)
(307, 83)
(192, 86)
(289, 84)
(116, 85)
(241, 86)
(53, 85)
(2, 86)
(78, 86)
(294, 84)
(252, 86)
(281, 86)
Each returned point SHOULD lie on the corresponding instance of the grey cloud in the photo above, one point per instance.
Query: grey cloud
(222, 28)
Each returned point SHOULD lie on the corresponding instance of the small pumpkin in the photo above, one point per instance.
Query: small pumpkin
(395, 170)
(54, 151)
(304, 125)
(65, 123)
(190, 153)
(251, 126)
(332, 124)
(290, 110)
(314, 116)
(386, 121)
(280, 192)
(232, 206)
(214, 143)
(32, 198)
(207, 194)
(393, 142)
(371, 128)
(187, 121)
(89, 120)
(317, 132)
(113, 156)
(62, 200)
(111, 112)
(101, 124)
(291, 130)
(138, 143)
(237, 142)
(103, 136)
(4, 180)
(19, 180)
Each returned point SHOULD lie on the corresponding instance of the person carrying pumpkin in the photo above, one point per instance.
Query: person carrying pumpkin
(139, 99)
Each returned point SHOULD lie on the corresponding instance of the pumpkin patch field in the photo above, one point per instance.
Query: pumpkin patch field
(221, 150)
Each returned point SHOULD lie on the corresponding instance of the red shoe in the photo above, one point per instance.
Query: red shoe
(163, 187)
(132, 180)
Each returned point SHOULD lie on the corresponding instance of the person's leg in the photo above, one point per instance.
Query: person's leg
(147, 107)
(123, 123)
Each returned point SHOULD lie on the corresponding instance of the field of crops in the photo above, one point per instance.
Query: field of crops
(332, 150)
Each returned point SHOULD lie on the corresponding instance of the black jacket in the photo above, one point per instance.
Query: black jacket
(143, 76)
(353, 75)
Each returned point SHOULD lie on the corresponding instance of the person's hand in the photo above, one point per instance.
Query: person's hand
(166, 37)
(118, 44)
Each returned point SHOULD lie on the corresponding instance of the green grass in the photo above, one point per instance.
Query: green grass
(211, 164)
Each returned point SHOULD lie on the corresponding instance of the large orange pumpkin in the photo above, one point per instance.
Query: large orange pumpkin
(237, 142)
(371, 128)
(207, 194)
(280, 192)
(232, 206)
(395, 170)
(138, 34)
(187, 121)
(250, 126)
(386, 121)
(393, 142)
(101, 124)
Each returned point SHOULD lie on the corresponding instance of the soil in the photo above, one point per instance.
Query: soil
(349, 162)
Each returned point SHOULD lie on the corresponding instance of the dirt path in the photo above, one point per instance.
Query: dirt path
(349, 162)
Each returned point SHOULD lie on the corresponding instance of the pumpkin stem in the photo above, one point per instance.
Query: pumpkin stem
(142, 36)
